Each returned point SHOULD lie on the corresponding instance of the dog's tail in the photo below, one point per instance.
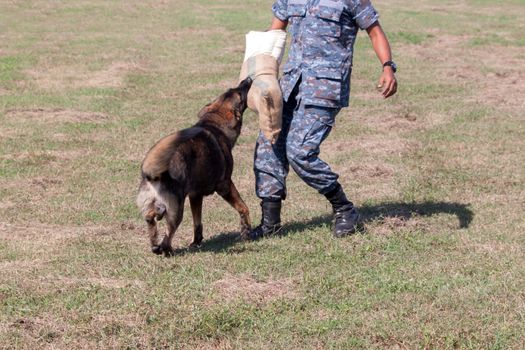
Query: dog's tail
(158, 159)
(150, 201)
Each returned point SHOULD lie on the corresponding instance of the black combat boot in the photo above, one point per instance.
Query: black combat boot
(270, 221)
(346, 217)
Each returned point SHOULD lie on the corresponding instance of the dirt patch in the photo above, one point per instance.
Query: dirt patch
(503, 88)
(45, 233)
(217, 344)
(249, 289)
(373, 146)
(47, 115)
(162, 4)
(223, 85)
(46, 329)
(401, 121)
(121, 319)
(495, 248)
(6, 205)
(112, 76)
(10, 133)
(389, 224)
(199, 32)
(52, 155)
(368, 171)
(18, 266)
(67, 77)
(25, 324)
(492, 78)
(45, 183)
(390, 343)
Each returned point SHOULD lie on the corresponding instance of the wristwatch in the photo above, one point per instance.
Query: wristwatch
(391, 64)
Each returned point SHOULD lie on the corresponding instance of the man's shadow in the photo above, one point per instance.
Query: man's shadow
(405, 211)
(369, 213)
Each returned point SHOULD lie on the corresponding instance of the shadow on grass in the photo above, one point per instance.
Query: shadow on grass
(218, 244)
(369, 213)
(408, 210)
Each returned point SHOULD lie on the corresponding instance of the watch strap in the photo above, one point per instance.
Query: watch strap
(390, 64)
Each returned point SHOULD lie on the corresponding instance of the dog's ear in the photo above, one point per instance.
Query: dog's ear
(204, 110)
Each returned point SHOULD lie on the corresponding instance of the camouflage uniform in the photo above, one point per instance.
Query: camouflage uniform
(315, 85)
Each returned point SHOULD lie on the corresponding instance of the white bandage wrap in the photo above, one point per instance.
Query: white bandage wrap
(264, 51)
(270, 43)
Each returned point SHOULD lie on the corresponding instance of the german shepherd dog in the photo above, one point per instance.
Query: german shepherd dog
(194, 162)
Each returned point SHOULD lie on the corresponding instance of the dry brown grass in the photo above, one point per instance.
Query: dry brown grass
(43, 115)
(247, 288)
(76, 76)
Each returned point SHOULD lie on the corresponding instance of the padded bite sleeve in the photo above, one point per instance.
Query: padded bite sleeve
(264, 51)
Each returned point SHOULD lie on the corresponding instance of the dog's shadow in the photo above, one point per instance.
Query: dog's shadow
(216, 244)
(369, 213)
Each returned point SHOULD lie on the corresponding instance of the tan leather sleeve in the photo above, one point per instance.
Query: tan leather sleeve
(264, 51)
(265, 97)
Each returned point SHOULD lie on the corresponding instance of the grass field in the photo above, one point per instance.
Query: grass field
(87, 86)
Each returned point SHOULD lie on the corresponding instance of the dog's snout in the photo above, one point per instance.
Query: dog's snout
(244, 88)
(246, 84)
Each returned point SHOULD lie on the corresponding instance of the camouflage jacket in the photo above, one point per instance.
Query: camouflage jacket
(323, 35)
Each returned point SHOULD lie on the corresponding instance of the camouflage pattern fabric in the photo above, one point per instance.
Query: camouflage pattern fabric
(315, 85)
(323, 36)
(304, 129)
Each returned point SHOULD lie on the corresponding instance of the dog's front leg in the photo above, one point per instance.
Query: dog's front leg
(196, 212)
(232, 196)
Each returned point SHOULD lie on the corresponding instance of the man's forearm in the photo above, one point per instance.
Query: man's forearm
(379, 42)
(387, 81)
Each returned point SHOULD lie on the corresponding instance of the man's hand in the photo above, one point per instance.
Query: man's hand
(387, 82)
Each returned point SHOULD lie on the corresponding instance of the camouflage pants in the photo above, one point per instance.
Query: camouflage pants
(304, 128)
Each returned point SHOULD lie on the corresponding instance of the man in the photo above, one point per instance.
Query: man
(315, 86)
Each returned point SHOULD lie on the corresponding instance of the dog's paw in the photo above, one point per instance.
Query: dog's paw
(169, 253)
(167, 250)
(194, 246)
(245, 234)
(156, 249)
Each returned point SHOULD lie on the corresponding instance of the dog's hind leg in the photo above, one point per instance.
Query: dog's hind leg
(155, 214)
(196, 212)
(173, 220)
(152, 230)
(232, 196)
(152, 209)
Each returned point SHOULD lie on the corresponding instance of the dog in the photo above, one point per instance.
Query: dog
(194, 163)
